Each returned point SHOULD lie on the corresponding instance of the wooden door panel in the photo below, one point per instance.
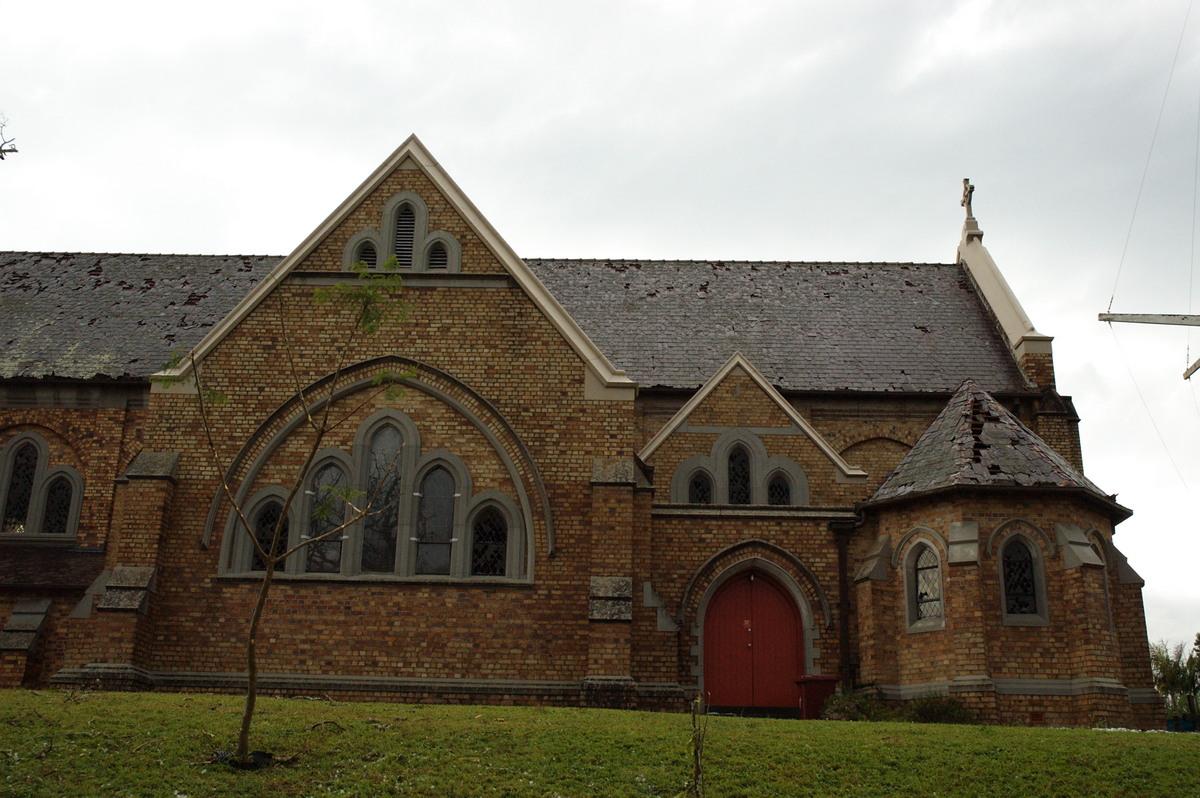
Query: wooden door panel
(753, 645)
(728, 657)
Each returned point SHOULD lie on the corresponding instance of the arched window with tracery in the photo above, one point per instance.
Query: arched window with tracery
(265, 523)
(779, 491)
(56, 516)
(383, 493)
(489, 543)
(20, 489)
(1020, 579)
(927, 584)
(435, 522)
(700, 489)
(739, 476)
(37, 498)
(326, 513)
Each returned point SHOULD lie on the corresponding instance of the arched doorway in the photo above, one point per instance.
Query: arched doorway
(753, 645)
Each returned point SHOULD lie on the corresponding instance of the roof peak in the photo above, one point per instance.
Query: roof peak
(976, 442)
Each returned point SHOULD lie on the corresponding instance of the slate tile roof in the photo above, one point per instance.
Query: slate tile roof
(806, 326)
(84, 315)
(975, 441)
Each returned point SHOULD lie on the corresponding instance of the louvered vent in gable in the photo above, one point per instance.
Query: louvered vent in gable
(406, 230)
(367, 255)
(438, 257)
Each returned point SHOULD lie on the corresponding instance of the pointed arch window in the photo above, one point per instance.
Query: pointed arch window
(1020, 585)
(36, 500)
(405, 238)
(927, 579)
(265, 522)
(489, 543)
(326, 514)
(435, 522)
(739, 476)
(20, 489)
(923, 588)
(700, 489)
(384, 512)
(383, 493)
(57, 517)
(779, 491)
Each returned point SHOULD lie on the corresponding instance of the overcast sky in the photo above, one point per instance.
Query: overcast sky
(779, 130)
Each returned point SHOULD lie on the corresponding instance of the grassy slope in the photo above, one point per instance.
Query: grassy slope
(161, 744)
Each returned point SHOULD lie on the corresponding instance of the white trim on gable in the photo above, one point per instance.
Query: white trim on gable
(846, 472)
(611, 381)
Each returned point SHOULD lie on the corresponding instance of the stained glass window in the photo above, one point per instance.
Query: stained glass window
(435, 522)
(1020, 587)
(326, 514)
(739, 476)
(489, 544)
(928, 582)
(264, 533)
(383, 493)
(779, 491)
(20, 489)
(58, 507)
(700, 489)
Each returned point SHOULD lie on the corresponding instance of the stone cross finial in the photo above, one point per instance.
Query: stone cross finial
(968, 190)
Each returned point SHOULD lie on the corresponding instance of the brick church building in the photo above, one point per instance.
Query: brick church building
(607, 482)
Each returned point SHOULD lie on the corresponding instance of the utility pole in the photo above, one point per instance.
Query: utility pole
(1174, 319)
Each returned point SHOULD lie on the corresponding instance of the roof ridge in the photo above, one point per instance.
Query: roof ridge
(44, 253)
(735, 260)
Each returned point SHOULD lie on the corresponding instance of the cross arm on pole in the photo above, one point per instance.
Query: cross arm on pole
(1178, 319)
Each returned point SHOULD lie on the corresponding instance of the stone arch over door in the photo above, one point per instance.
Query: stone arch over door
(779, 566)
(753, 643)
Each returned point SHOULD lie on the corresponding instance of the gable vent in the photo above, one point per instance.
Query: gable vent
(438, 258)
(406, 227)
(367, 255)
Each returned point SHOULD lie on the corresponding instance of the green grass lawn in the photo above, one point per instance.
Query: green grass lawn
(115, 744)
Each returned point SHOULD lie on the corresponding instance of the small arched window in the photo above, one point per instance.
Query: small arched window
(367, 255)
(20, 490)
(406, 233)
(1020, 579)
(927, 582)
(265, 523)
(383, 496)
(326, 511)
(700, 489)
(779, 491)
(435, 522)
(56, 518)
(739, 476)
(489, 543)
(438, 257)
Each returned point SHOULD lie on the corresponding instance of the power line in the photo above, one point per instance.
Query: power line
(1146, 168)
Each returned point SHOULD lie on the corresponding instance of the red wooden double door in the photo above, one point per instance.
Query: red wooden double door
(753, 645)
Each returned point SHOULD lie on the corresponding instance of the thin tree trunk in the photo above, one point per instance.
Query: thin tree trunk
(243, 746)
